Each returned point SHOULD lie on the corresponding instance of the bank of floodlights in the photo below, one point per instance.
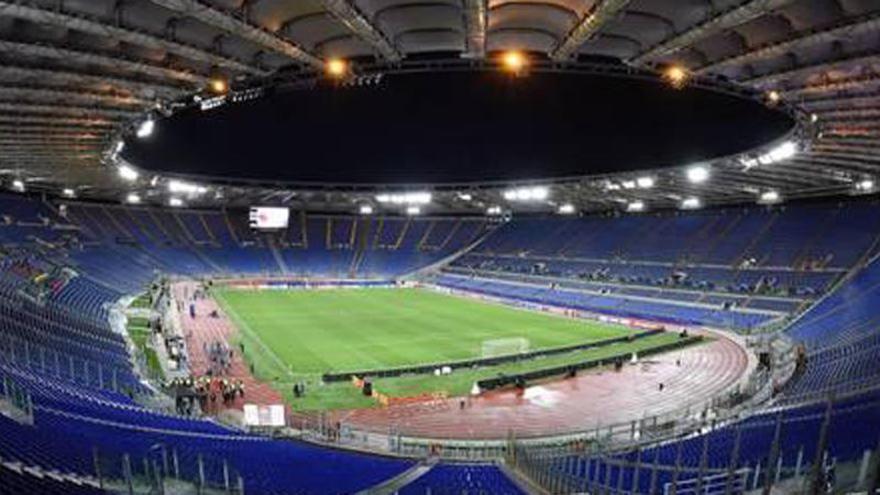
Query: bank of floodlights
(566, 209)
(127, 172)
(181, 187)
(407, 198)
(527, 194)
(635, 206)
(698, 174)
(145, 129)
(691, 203)
(769, 197)
(782, 152)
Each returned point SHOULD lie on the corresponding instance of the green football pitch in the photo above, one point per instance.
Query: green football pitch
(353, 329)
(296, 335)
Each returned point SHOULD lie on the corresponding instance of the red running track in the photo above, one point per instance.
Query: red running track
(592, 398)
(566, 405)
(205, 329)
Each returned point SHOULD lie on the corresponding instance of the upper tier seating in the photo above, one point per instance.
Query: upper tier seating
(142, 241)
(787, 251)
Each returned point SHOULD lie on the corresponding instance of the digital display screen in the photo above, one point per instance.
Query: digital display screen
(269, 217)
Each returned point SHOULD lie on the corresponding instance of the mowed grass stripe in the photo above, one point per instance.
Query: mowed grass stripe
(341, 329)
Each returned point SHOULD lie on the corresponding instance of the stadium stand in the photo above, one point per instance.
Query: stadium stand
(597, 302)
(841, 340)
(313, 245)
(604, 156)
(60, 275)
(718, 457)
(457, 479)
(734, 268)
(58, 351)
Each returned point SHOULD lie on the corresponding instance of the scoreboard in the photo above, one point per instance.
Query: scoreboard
(269, 217)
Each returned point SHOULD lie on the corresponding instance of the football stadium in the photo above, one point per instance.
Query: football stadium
(439, 247)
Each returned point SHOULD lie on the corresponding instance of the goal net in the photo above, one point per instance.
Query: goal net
(503, 347)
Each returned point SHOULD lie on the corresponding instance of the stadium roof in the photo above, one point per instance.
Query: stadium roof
(72, 72)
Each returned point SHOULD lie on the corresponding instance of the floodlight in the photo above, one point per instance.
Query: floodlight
(677, 76)
(566, 209)
(698, 174)
(814, 118)
(18, 185)
(748, 162)
(514, 61)
(865, 185)
(128, 173)
(493, 210)
(540, 193)
(133, 198)
(769, 197)
(175, 202)
(645, 182)
(773, 96)
(68, 192)
(145, 129)
(413, 210)
(336, 67)
(612, 186)
(177, 186)
(784, 151)
(691, 203)
(636, 206)
(218, 86)
(366, 210)
(533, 193)
(410, 198)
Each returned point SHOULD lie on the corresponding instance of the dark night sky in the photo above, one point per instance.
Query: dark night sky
(458, 127)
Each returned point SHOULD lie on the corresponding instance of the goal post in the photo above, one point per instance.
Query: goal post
(504, 347)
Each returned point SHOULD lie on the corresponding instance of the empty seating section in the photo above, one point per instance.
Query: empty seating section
(437, 234)
(197, 243)
(728, 264)
(78, 374)
(739, 268)
(773, 243)
(838, 370)
(24, 220)
(848, 313)
(193, 224)
(451, 479)
(14, 479)
(841, 337)
(70, 427)
(852, 429)
(61, 331)
(606, 303)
